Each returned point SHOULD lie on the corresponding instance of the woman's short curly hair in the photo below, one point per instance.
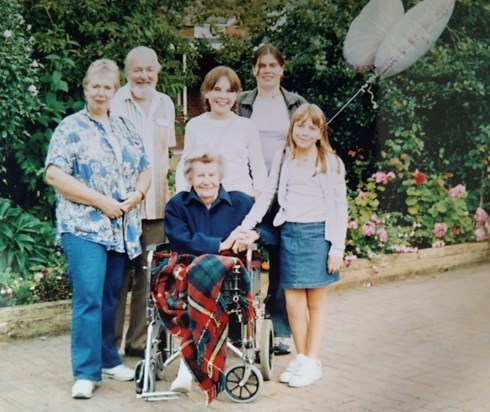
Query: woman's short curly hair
(203, 155)
(103, 66)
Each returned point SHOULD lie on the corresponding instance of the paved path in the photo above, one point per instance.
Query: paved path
(416, 345)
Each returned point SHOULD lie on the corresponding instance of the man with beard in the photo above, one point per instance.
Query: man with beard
(153, 115)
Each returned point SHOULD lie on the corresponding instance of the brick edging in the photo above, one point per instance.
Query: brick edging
(53, 318)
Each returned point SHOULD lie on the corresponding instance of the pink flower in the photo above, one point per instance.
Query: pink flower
(480, 234)
(420, 178)
(383, 178)
(382, 235)
(440, 229)
(375, 219)
(380, 177)
(369, 229)
(353, 225)
(457, 191)
(362, 195)
(480, 215)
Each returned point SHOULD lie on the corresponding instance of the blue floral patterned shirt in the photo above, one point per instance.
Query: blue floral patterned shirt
(81, 148)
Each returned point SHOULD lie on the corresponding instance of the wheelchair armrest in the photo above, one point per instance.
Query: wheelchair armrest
(253, 246)
(157, 247)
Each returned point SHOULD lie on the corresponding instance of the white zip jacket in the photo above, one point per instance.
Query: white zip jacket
(334, 189)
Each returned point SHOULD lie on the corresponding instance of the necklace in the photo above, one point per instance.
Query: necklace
(306, 157)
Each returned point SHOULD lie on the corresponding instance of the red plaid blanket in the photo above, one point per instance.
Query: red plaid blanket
(187, 293)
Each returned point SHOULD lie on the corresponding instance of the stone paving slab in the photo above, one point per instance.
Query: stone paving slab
(421, 344)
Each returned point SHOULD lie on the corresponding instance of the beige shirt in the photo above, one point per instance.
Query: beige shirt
(158, 133)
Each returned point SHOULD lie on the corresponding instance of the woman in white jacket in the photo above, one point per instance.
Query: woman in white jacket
(219, 128)
(309, 179)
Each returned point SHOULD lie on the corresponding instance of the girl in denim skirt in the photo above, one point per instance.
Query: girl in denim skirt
(309, 181)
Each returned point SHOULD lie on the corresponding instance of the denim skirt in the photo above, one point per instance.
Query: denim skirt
(304, 253)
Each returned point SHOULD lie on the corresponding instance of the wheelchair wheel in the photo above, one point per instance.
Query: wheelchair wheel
(139, 378)
(249, 390)
(266, 349)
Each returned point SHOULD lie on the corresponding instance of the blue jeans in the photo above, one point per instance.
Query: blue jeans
(275, 303)
(96, 278)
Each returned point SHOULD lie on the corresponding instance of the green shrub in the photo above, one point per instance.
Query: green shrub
(51, 282)
(25, 241)
(15, 290)
(440, 214)
(43, 284)
(429, 214)
(19, 88)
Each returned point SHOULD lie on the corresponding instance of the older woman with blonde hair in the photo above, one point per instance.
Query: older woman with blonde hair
(97, 165)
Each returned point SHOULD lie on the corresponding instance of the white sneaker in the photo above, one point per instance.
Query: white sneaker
(119, 373)
(82, 389)
(308, 372)
(291, 369)
(183, 382)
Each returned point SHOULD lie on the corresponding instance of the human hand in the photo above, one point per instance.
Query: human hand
(227, 243)
(256, 194)
(111, 207)
(131, 200)
(334, 263)
(244, 238)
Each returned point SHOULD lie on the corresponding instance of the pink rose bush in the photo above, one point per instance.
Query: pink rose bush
(407, 210)
(439, 210)
(482, 225)
(368, 229)
(440, 229)
(457, 192)
(383, 178)
(480, 216)
(480, 234)
(382, 235)
(352, 225)
(45, 284)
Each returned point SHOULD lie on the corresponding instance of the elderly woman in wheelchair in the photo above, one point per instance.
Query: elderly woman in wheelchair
(204, 221)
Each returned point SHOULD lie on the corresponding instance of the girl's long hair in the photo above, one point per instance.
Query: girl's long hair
(312, 111)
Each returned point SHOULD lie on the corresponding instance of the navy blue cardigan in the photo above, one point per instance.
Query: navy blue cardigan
(193, 228)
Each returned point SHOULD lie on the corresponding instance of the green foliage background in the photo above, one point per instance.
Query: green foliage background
(431, 117)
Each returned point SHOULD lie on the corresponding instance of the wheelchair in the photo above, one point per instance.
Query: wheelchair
(244, 380)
